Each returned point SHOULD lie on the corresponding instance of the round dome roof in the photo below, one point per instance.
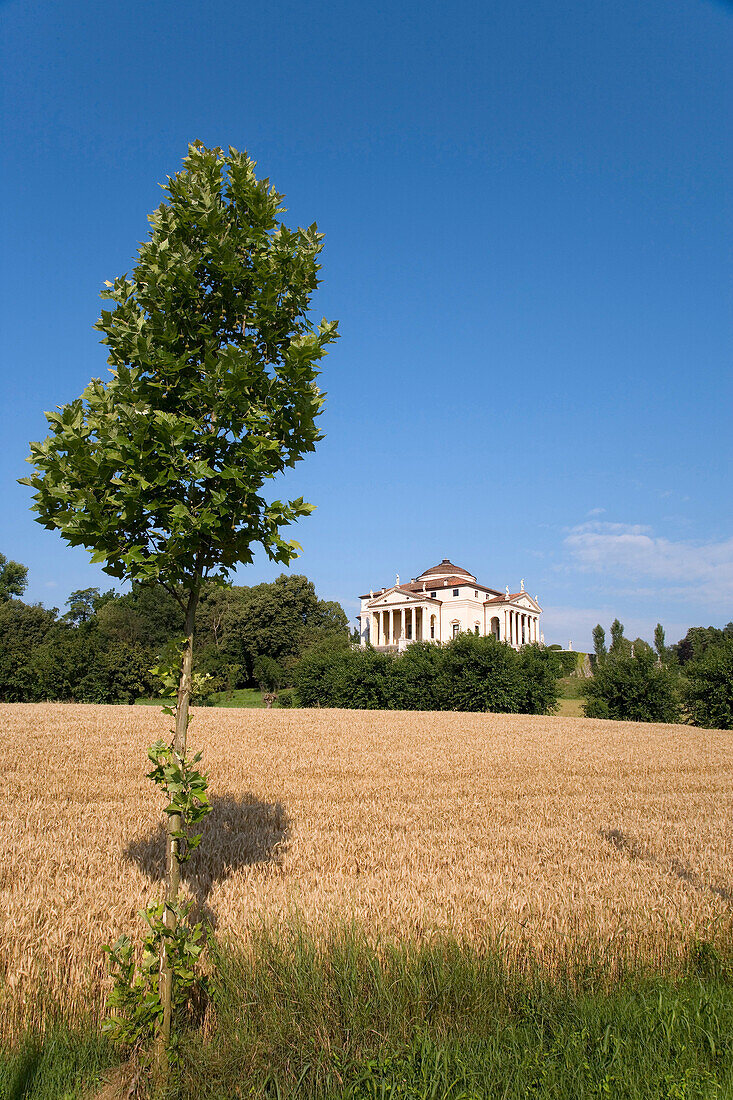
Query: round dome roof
(446, 569)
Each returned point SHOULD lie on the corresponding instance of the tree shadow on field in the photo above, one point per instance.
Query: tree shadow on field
(239, 832)
(629, 847)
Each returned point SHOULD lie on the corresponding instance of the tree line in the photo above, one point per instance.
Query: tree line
(104, 646)
(692, 680)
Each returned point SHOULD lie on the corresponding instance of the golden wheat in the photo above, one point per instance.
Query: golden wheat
(545, 832)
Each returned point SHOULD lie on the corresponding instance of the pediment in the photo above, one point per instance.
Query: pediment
(396, 596)
(526, 601)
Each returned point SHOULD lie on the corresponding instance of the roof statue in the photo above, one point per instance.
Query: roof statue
(521, 585)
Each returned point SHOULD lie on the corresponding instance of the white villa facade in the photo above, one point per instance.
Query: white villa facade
(443, 602)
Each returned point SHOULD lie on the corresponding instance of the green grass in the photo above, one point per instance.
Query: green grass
(321, 1020)
(62, 1066)
(570, 708)
(570, 703)
(570, 687)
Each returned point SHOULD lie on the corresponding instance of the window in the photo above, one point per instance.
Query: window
(456, 629)
(475, 593)
(432, 595)
(432, 627)
(456, 591)
(475, 628)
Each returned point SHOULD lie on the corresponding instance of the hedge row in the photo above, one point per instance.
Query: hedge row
(469, 673)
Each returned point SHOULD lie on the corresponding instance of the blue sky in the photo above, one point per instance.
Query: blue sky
(527, 217)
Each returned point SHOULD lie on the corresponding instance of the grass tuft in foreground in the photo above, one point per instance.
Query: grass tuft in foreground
(318, 1019)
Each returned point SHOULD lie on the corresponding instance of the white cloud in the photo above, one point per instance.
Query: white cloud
(596, 512)
(699, 571)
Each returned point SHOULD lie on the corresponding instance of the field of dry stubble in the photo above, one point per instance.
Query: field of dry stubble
(549, 832)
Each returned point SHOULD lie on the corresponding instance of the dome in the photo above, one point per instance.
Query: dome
(445, 569)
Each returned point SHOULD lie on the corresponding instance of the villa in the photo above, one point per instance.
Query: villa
(440, 604)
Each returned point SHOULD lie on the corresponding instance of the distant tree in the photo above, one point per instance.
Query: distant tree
(23, 629)
(269, 674)
(84, 603)
(633, 689)
(13, 578)
(638, 645)
(213, 393)
(599, 642)
(659, 643)
(698, 640)
(145, 616)
(709, 691)
(617, 637)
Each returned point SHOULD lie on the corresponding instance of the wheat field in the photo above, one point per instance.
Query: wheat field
(543, 833)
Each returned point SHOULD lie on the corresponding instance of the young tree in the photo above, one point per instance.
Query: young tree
(214, 360)
(13, 578)
(599, 642)
(617, 637)
(659, 643)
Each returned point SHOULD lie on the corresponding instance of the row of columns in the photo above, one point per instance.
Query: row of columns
(388, 626)
(520, 628)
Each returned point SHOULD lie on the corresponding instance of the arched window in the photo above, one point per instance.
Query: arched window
(476, 627)
(495, 626)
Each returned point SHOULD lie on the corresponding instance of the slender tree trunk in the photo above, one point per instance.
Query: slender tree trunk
(174, 823)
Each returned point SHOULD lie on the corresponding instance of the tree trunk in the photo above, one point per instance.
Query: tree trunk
(174, 824)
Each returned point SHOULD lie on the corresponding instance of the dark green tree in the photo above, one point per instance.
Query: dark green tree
(84, 603)
(269, 674)
(617, 638)
(23, 629)
(709, 690)
(160, 471)
(599, 642)
(633, 689)
(659, 643)
(698, 640)
(13, 578)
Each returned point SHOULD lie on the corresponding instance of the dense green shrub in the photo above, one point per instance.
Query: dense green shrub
(633, 689)
(479, 674)
(597, 708)
(539, 678)
(268, 673)
(469, 673)
(709, 690)
(286, 698)
(414, 678)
